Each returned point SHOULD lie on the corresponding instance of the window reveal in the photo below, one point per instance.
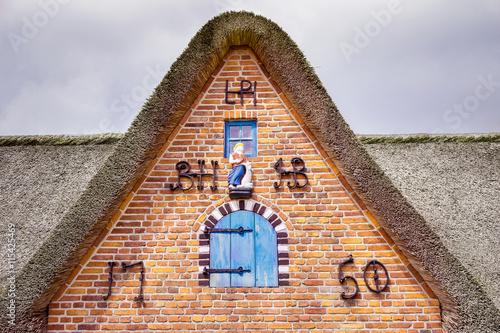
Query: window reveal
(241, 132)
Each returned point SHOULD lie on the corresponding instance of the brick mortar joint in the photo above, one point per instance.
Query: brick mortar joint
(271, 203)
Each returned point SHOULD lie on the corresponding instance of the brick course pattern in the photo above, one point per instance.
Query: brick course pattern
(318, 226)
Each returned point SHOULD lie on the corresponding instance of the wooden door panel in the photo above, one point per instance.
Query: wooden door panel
(220, 254)
(243, 249)
(266, 254)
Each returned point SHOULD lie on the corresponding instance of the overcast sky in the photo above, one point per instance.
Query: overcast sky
(392, 67)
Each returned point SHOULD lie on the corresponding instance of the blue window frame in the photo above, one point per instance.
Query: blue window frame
(256, 250)
(241, 131)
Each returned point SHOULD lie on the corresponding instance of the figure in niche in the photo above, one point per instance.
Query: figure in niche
(240, 176)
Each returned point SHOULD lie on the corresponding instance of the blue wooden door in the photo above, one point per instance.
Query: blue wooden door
(256, 250)
(242, 249)
(220, 254)
(266, 253)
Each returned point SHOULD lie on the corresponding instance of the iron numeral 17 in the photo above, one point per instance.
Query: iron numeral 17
(124, 268)
(111, 264)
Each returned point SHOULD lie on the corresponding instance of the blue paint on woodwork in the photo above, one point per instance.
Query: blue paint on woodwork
(266, 253)
(242, 249)
(220, 254)
(257, 251)
(239, 136)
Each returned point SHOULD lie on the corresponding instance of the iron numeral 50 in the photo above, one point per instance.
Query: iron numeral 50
(378, 288)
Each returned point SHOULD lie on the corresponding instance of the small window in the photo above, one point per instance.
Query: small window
(244, 132)
(255, 250)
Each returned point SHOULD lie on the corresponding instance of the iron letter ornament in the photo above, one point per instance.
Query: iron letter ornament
(124, 268)
(111, 264)
(376, 276)
(242, 91)
(239, 270)
(183, 165)
(200, 175)
(342, 278)
(179, 167)
(278, 166)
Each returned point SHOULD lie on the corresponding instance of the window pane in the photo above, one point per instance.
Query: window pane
(231, 146)
(234, 132)
(247, 131)
(248, 147)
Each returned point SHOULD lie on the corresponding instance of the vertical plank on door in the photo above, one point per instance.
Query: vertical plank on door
(242, 249)
(220, 254)
(266, 253)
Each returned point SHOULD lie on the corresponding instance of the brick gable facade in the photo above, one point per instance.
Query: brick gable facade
(318, 226)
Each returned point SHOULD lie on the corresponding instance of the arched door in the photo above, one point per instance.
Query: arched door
(255, 249)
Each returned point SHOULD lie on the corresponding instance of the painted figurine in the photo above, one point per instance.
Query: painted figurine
(241, 174)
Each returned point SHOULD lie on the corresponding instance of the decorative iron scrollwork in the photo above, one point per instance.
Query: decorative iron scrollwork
(183, 165)
(112, 264)
(278, 166)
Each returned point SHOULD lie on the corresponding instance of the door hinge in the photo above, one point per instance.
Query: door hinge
(240, 230)
(239, 270)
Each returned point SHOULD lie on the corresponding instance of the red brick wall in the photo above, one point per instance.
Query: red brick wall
(318, 227)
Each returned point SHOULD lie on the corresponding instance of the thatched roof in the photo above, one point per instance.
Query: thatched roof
(42, 178)
(455, 186)
(466, 304)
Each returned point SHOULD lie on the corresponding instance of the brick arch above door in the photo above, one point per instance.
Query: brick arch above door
(259, 208)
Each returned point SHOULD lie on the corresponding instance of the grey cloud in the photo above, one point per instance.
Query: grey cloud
(84, 70)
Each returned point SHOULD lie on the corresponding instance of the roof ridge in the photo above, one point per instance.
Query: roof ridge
(428, 138)
(60, 140)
